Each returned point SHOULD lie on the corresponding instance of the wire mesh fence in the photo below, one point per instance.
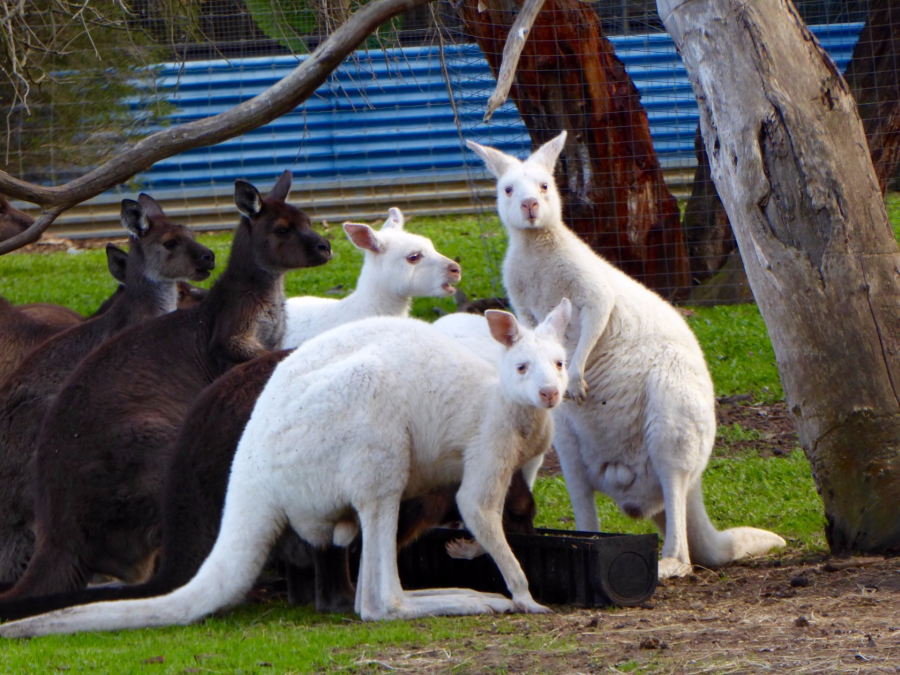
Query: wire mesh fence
(80, 81)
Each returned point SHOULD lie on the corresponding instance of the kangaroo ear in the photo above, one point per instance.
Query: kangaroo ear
(247, 198)
(504, 327)
(558, 319)
(116, 262)
(134, 218)
(497, 162)
(151, 206)
(395, 220)
(363, 237)
(546, 155)
(282, 187)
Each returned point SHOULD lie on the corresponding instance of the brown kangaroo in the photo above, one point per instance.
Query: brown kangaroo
(161, 252)
(98, 474)
(12, 221)
(24, 327)
(194, 471)
(54, 316)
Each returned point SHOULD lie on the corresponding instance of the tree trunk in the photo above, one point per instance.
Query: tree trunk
(789, 159)
(613, 190)
(706, 227)
(873, 76)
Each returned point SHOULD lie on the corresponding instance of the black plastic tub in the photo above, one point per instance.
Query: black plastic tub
(585, 569)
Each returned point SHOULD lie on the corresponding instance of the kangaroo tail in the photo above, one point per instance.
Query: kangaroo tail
(710, 547)
(250, 526)
(20, 609)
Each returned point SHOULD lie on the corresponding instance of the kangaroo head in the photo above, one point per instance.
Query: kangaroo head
(169, 250)
(406, 264)
(527, 197)
(533, 365)
(281, 235)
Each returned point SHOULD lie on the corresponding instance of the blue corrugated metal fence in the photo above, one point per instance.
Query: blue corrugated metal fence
(388, 113)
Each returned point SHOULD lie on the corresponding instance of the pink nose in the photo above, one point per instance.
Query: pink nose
(454, 270)
(530, 207)
(550, 395)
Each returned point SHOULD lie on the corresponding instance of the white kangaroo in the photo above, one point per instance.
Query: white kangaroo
(641, 422)
(398, 266)
(351, 423)
(473, 332)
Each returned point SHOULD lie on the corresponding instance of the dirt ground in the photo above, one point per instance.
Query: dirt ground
(787, 613)
(793, 615)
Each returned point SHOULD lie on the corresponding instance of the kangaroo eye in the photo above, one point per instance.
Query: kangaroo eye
(559, 365)
(413, 258)
(172, 243)
(509, 191)
(281, 231)
(522, 368)
(544, 187)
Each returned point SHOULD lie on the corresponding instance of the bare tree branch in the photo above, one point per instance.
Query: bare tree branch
(33, 233)
(279, 99)
(511, 53)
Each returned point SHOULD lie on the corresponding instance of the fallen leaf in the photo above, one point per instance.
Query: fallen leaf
(155, 659)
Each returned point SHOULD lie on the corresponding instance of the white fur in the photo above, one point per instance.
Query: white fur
(472, 332)
(640, 423)
(398, 266)
(354, 421)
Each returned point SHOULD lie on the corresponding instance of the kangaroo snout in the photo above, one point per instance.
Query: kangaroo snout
(549, 396)
(207, 261)
(324, 249)
(530, 208)
(455, 271)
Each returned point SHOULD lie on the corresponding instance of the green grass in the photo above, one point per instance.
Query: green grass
(80, 280)
(738, 351)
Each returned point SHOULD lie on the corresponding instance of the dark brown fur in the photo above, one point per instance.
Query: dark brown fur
(24, 327)
(102, 451)
(28, 393)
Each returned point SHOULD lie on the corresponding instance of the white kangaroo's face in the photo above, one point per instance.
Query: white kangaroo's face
(527, 197)
(407, 264)
(533, 365)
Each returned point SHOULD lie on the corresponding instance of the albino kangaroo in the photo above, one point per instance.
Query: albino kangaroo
(641, 422)
(408, 411)
(398, 266)
(100, 455)
(161, 252)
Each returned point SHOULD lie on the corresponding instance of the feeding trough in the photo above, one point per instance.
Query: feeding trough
(585, 569)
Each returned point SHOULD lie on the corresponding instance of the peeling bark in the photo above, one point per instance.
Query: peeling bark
(789, 158)
(614, 195)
